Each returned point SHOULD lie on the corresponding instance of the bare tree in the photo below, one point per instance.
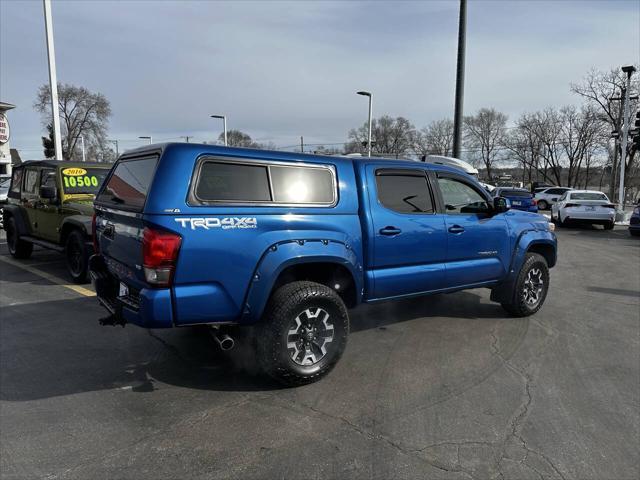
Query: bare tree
(485, 134)
(581, 130)
(83, 113)
(525, 145)
(598, 88)
(434, 139)
(237, 138)
(389, 136)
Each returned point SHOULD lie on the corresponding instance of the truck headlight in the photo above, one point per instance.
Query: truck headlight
(552, 226)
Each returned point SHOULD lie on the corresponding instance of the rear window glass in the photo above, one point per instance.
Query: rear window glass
(515, 193)
(233, 182)
(589, 196)
(237, 182)
(16, 180)
(301, 185)
(31, 181)
(129, 184)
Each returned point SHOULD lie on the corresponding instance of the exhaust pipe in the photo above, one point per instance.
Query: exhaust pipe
(224, 340)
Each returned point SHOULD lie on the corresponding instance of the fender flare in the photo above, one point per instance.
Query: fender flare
(22, 224)
(504, 292)
(81, 222)
(282, 255)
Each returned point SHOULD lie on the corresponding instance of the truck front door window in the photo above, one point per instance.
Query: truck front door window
(460, 198)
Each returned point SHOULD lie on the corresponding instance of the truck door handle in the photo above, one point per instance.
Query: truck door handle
(456, 229)
(108, 230)
(390, 231)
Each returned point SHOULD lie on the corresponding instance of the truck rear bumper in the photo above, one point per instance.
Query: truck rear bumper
(148, 308)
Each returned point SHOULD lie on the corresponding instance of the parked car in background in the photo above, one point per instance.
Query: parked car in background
(50, 204)
(4, 190)
(520, 198)
(466, 167)
(584, 206)
(634, 221)
(549, 196)
(538, 186)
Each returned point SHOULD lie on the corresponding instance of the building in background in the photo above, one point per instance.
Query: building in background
(5, 136)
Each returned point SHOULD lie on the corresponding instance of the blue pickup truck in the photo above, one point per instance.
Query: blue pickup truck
(286, 243)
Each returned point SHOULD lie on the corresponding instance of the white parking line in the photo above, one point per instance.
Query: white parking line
(47, 276)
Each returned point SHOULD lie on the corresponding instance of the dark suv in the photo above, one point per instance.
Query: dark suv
(50, 203)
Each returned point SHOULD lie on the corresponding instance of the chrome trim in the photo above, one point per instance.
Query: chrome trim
(125, 213)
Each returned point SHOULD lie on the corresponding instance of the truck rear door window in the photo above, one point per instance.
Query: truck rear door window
(129, 184)
(404, 193)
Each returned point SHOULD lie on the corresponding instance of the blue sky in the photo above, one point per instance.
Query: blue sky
(284, 69)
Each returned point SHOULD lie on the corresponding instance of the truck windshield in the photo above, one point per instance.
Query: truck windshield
(78, 180)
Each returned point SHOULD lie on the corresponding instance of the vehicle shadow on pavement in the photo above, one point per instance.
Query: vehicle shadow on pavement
(465, 304)
(57, 348)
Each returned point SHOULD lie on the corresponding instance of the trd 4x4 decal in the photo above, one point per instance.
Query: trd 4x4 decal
(214, 222)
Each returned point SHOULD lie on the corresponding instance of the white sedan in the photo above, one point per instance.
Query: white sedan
(584, 206)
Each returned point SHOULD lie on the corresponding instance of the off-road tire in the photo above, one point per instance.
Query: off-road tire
(543, 205)
(609, 225)
(286, 304)
(520, 307)
(17, 248)
(634, 233)
(76, 256)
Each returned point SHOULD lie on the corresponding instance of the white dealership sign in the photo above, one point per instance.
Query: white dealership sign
(4, 129)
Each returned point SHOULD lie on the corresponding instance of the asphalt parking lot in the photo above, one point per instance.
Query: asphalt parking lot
(440, 387)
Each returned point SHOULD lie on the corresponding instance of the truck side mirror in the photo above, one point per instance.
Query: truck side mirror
(501, 204)
(48, 192)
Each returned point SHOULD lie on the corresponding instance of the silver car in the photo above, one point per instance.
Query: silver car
(584, 206)
(546, 197)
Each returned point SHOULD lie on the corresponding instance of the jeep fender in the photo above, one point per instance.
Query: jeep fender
(78, 222)
(22, 223)
(528, 240)
(284, 254)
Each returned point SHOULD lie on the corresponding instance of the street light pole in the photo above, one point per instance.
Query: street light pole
(115, 142)
(224, 126)
(629, 69)
(53, 80)
(458, 113)
(370, 95)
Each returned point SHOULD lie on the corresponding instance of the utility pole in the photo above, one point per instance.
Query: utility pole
(84, 157)
(629, 69)
(458, 113)
(187, 137)
(115, 142)
(301, 144)
(616, 144)
(53, 79)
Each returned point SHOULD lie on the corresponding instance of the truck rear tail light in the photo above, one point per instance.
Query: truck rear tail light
(94, 238)
(160, 252)
(534, 201)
